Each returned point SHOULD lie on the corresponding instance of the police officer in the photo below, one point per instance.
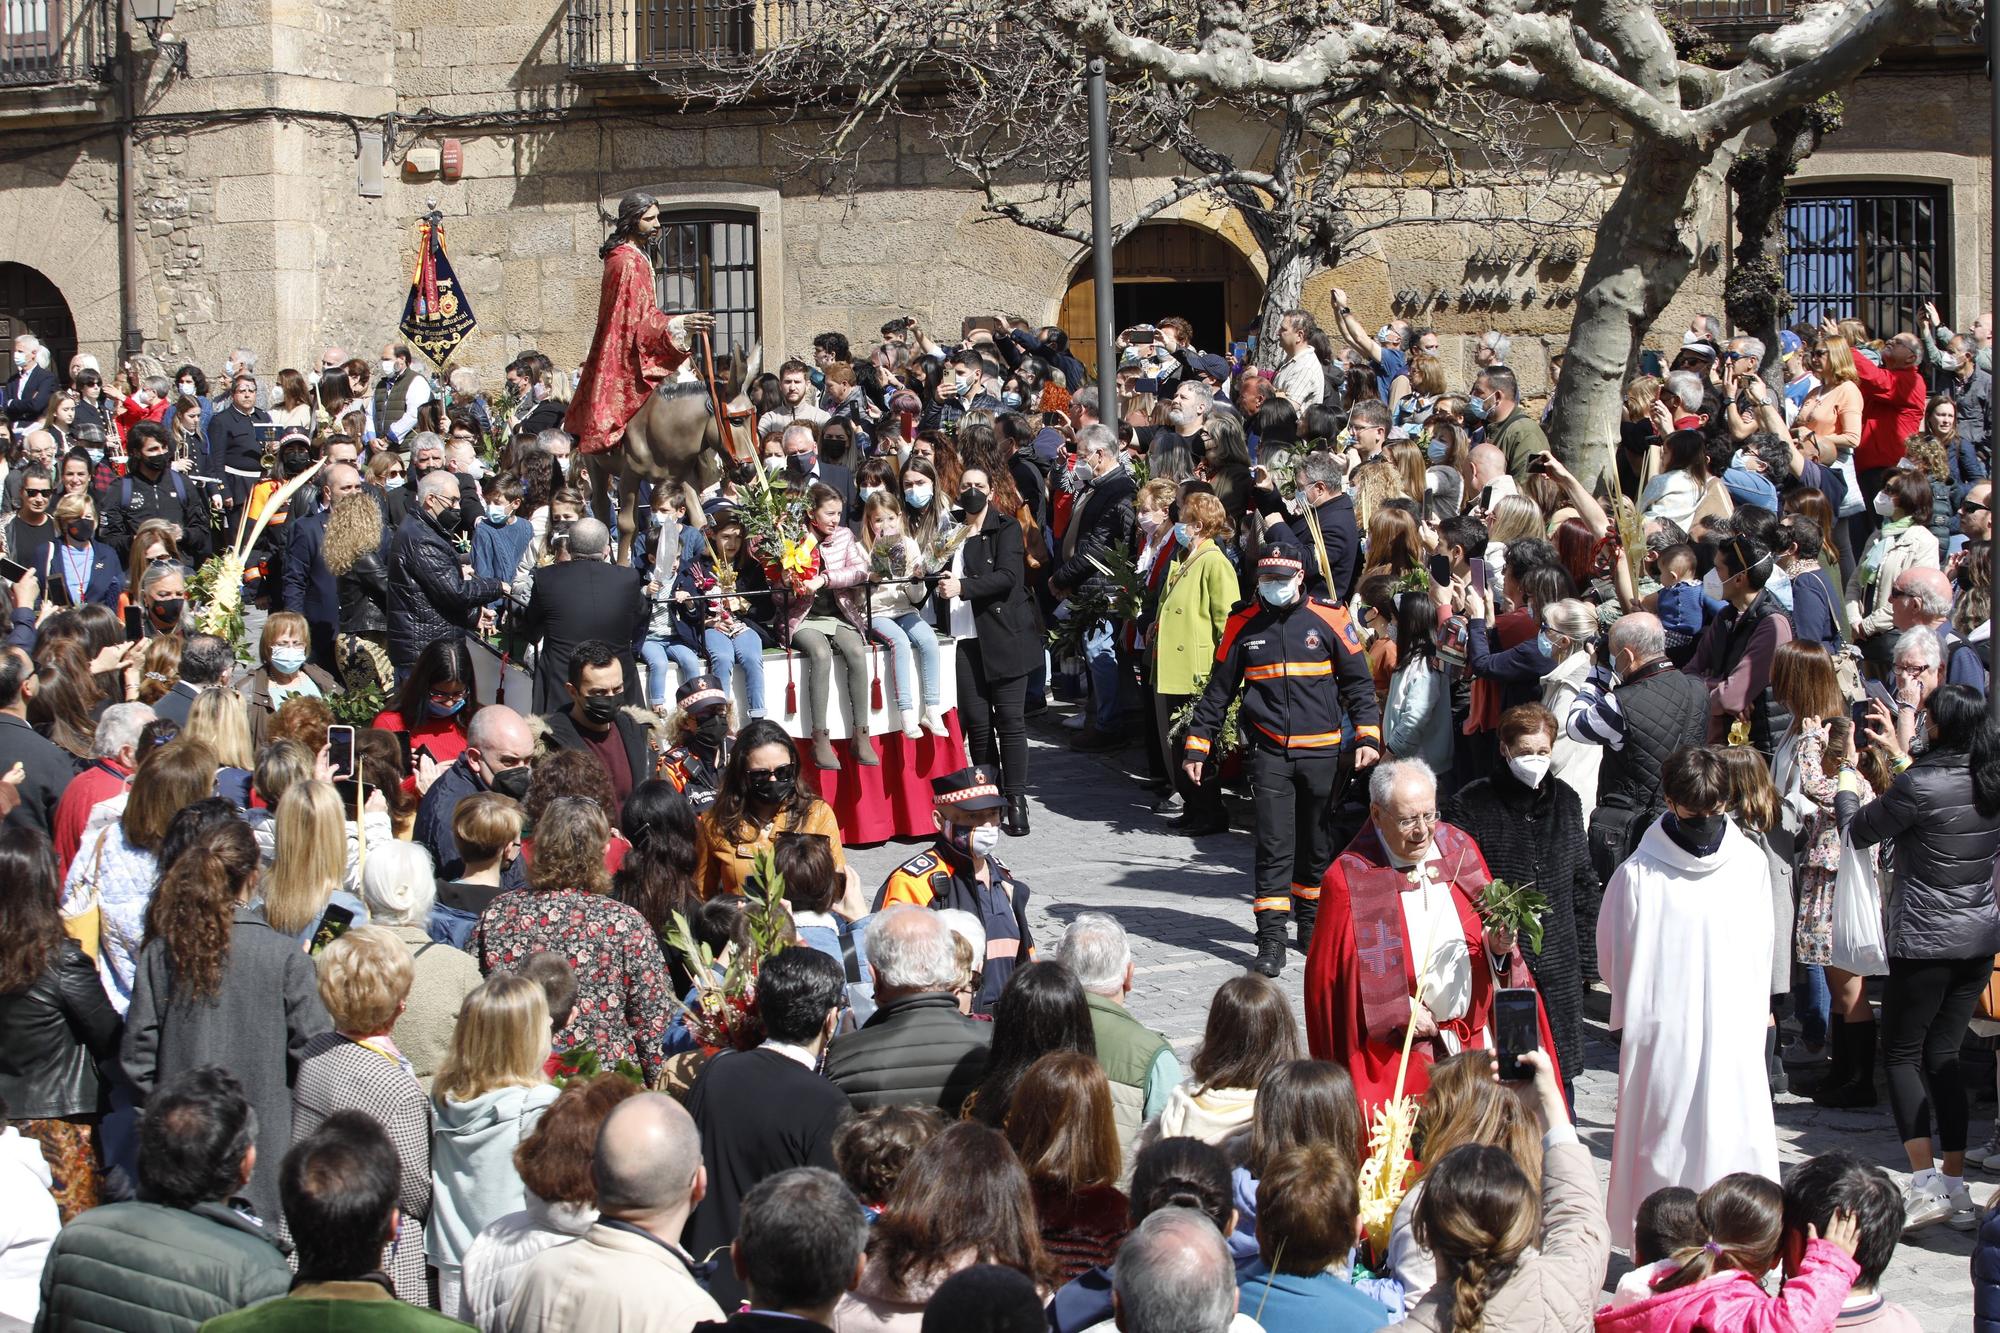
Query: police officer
(961, 871)
(1306, 692)
(695, 761)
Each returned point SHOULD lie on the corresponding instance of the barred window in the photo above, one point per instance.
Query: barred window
(1875, 251)
(708, 261)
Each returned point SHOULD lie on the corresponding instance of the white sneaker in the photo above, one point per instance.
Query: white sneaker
(912, 726)
(1922, 1208)
(1986, 1154)
(1964, 1212)
(934, 722)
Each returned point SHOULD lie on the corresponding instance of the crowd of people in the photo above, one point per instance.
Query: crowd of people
(332, 988)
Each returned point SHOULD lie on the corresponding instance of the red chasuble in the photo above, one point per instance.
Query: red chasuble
(1363, 969)
(632, 352)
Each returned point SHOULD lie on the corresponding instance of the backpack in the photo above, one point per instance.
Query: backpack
(125, 488)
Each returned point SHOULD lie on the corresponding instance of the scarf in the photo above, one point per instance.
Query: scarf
(1871, 555)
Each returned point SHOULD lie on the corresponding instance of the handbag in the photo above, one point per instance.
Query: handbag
(87, 926)
(1859, 947)
(1989, 999)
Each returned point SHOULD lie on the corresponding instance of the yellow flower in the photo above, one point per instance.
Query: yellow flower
(797, 558)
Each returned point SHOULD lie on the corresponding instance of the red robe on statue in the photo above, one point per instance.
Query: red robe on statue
(635, 348)
(1362, 968)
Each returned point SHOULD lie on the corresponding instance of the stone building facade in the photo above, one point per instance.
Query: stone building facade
(255, 228)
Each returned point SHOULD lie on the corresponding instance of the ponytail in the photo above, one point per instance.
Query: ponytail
(1471, 1287)
(1743, 1215)
(190, 915)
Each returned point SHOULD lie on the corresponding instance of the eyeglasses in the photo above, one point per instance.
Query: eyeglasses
(1416, 823)
(782, 771)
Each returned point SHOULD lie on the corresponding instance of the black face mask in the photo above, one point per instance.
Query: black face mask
(446, 520)
(294, 463)
(511, 782)
(152, 462)
(1699, 836)
(713, 729)
(168, 610)
(972, 501)
(770, 788)
(601, 709)
(81, 530)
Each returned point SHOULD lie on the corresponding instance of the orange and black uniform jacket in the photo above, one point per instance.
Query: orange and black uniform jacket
(1304, 678)
(943, 877)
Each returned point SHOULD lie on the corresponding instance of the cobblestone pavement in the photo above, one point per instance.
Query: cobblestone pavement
(1095, 846)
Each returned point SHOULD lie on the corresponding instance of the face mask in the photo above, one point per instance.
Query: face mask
(1544, 644)
(393, 484)
(288, 660)
(1885, 504)
(974, 842)
(81, 530)
(96, 456)
(1010, 400)
(512, 781)
(659, 519)
(187, 388)
(869, 492)
(1434, 451)
(1185, 534)
(770, 788)
(972, 501)
(775, 463)
(20, 360)
(446, 519)
(1699, 836)
(802, 463)
(441, 709)
(152, 462)
(168, 610)
(1150, 523)
(601, 709)
(713, 728)
(1277, 592)
(496, 515)
(295, 463)
(917, 497)
(1711, 585)
(388, 370)
(1529, 768)
(1478, 408)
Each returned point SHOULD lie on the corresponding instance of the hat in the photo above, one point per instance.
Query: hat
(1281, 558)
(1789, 345)
(296, 439)
(87, 432)
(1701, 347)
(1211, 365)
(974, 788)
(699, 693)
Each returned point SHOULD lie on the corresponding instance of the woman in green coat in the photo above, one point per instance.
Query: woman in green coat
(1201, 590)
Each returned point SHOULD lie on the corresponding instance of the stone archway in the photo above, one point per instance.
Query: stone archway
(36, 205)
(30, 303)
(1168, 268)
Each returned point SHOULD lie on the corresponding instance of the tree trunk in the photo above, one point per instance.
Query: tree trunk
(1754, 297)
(1645, 248)
(1288, 265)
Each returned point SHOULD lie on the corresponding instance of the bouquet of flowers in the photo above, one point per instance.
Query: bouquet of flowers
(724, 1012)
(583, 1062)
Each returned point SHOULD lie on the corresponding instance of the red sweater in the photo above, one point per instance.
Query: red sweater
(99, 782)
(1892, 410)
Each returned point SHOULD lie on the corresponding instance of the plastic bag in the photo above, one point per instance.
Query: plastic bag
(1858, 945)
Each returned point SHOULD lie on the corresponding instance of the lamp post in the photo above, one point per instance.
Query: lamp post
(1100, 243)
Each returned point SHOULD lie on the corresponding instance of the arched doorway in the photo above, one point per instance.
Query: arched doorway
(30, 303)
(1167, 269)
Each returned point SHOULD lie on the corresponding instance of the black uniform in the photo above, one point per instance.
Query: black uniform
(1307, 692)
(175, 497)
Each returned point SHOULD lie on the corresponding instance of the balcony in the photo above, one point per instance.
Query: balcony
(608, 36)
(51, 43)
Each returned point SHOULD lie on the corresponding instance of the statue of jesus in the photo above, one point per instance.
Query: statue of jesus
(637, 345)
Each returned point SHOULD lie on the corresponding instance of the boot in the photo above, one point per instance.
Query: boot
(1270, 943)
(1840, 1069)
(823, 754)
(1015, 822)
(1305, 912)
(1092, 741)
(864, 749)
(1858, 1092)
(1774, 1069)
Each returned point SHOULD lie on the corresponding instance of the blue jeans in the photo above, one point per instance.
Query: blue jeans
(1100, 653)
(1813, 1003)
(656, 653)
(742, 649)
(907, 634)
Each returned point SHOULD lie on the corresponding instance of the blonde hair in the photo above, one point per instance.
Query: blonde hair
(74, 506)
(501, 1040)
(312, 856)
(884, 503)
(1372, 483)
(218, 719)
(1838, 366)
(364, 977)
(1515, 517)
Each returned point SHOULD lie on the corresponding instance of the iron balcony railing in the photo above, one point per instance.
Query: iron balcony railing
(1734, 13)
(47, 42)
(653, 34)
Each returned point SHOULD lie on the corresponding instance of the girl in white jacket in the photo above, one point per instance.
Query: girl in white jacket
(895, 614)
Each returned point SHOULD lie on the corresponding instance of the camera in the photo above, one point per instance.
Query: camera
(1540, 463)
(899, 325)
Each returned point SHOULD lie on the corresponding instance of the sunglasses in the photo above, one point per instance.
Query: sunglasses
(1974, 507)
(32, 494)
(783, 771)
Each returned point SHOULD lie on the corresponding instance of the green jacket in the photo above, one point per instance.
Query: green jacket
(147, 1268)
(1130, 1053)
(1194, 608)
(1519, 437)
(323, 1307)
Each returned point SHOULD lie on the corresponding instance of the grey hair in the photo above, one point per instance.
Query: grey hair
(1498, 343)
(1085, 400)
(547, 439)
(1640, 634)
(1686, 388)
(1920, 642)
(1322, 468)
(1711, 328)
(1200, 390)
(910, 949)
(1934, 604)
(588, 539)
(119, 728)
(425, 439)
(1571, 618)
(1097, 438)
(1754, 346)
(399, 883)
(1173, 1275)
(155, 575)
(483, 732)
(968, 927)
(246, 359)
(1382, 778)
(1300, 322)
(1095, 948)
(438, 482)
(799, 429)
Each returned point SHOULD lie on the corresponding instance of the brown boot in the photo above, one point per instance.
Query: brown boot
(864, 750)
(823, 754)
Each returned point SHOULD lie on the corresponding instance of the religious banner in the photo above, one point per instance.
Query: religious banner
(437, 316)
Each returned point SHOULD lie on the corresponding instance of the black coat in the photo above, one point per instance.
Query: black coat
(364, 593)
(638, 742)
(429, 599)
(1102, 524)
(175, 497)
(759, 1112)
(310, 587)
(573, 602)
(49, 767)
(1940, 900)
(24, 400)
(51, 1037)
(995, 582)
(1536, 836)
(915, 1051)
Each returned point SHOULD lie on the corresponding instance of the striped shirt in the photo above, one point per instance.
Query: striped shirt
(1594, 716)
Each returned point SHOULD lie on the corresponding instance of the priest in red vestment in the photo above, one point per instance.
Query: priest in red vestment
(636, 345)
(1397, 903)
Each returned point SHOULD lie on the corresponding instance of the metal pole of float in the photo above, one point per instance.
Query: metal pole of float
(1100, 242)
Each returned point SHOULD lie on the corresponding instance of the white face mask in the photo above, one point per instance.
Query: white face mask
(984, 839)
(1885, 504)
(1711, 584)
(1529, 768)
(388, 368)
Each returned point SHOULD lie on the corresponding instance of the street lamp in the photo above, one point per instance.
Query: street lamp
(154, 16)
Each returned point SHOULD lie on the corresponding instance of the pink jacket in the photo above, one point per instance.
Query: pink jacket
(846, 563)
(1733, 1302)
